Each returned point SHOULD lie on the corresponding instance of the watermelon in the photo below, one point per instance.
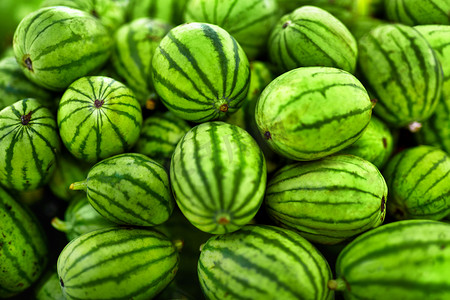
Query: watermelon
(80, 217)
(309, 113)
(328, 200)
(263, 262)
(402, 260)
(248, 21)
(111, 13)
(402, 71)
(117, 263)
(56, 45)
(436, 130)
(417, 12)
(98, 117)
(23, 247)
(170, 11)
(310, 36)
(135, 44)
(48, 287)
(200, 72)
(129, 189)
(160, 135)
(376, 144)
(15, 86)
(30, 143)
(418, 181)
(68, 170)
(218, 177)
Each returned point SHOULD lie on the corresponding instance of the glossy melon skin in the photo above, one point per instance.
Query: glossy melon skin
(309, 113)
(118, 262)
(23, 247)
(402, 260)
(57, 45)
(218, 177)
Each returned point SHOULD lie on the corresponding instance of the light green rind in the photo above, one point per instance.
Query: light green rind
(167, 10)
(310, 36)
(405, 260)
(92, 133)
(80, 218)
(309, 113)
(48, 287)
(117, 263)
(248, 21)
(403, 71)
(329, 200)
(263, 262)
(135, 45)
(129, 189)
(376, 144)
(160, 135)
(200, 72)
(23, 247)
(62, 45)
(111, 13)
(418, 181)
(436, 130)
(67, 171)
(29, 150)
(218, 177)
(417, 12)
(15, 86)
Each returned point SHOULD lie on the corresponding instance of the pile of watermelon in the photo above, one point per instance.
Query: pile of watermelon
(226, 149)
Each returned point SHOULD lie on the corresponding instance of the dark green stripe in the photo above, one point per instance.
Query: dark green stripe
(188, 55)
(36, 36)
(68, 101)
(97, 129)
(409, 14)
(71, 88)
(436, 182)
(242, 163)
(220, 286)
(173, 65)
(316, 170)
(10, 155)
(124, 274)
(289, 53)
(231, 6)
(431, 289)
(263, 18)
(53, 148)
(68, 116)
(217, 163)
(74, 63)
(403, 247)
(134, 54)
(247, 264)
(330, 188)
(212, 35)
(15, 263)
(125, 114)
(116, 129)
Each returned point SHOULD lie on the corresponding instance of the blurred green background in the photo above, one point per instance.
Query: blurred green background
(11, 13)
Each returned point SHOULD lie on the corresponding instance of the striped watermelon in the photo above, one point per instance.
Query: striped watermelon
(129, 189)
(170, 11)
(418, 180)
(29, 144)
(56, 45)
(111, 13)
(200, 72)
(80, 217)
(310, 36)
(23, 247)
(218, 177)
(248, 21)
(416, 12)
(98, 117)
(436, 130)
(67, 171)
(376, 144)
(135, 44)
(328, 200)
(406, 260)
(15, 86)
(160, 135)
(48, 287)
(402, 71)
(117, 263)
(309, 113)
(263, 262)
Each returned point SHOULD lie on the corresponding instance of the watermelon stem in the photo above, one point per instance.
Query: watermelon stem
(77, 186)
(59, 224)
(338, 284)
